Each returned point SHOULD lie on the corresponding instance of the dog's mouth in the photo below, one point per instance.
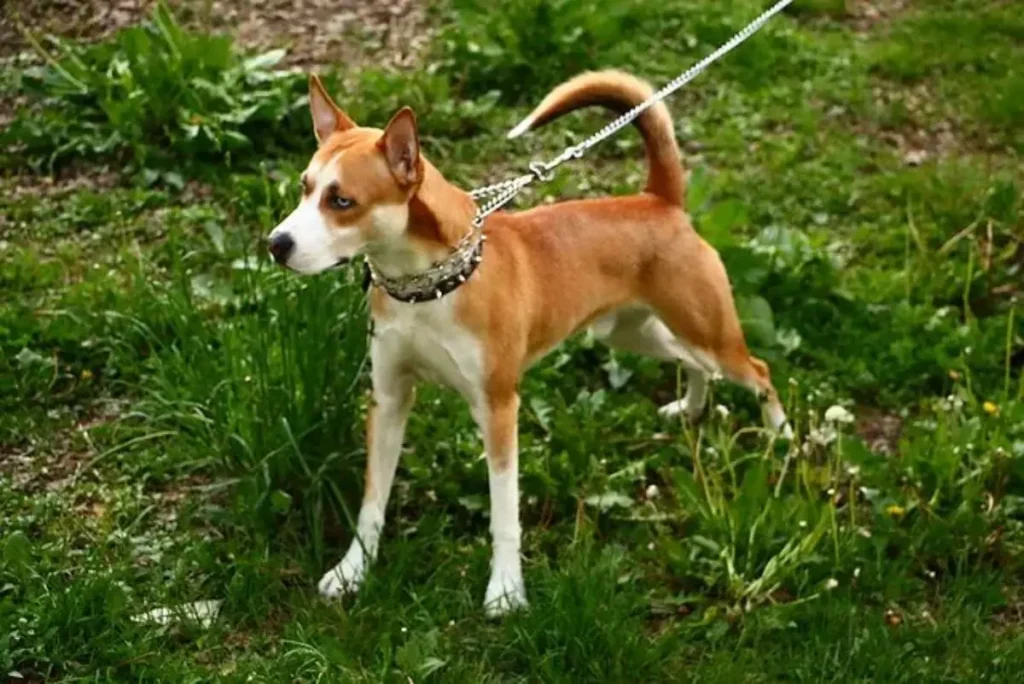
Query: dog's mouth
(339, 264)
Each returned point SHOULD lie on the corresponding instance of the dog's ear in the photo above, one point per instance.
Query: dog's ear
(401, 147)
(327, 116)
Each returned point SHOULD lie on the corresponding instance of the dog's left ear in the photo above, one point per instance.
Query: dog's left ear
(401, 147)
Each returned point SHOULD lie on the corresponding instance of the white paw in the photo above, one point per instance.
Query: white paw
(787, 431)
(505, 593)
(345, 577)
(678, 408)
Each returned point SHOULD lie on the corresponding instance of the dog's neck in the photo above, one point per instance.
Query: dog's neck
(440, 216)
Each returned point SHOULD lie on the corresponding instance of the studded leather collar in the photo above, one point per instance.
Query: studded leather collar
(440, 279)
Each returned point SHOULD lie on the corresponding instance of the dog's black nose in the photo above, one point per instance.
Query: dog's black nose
(281, 246)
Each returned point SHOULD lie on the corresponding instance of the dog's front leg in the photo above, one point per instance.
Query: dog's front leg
(385, 429)
(498, 423)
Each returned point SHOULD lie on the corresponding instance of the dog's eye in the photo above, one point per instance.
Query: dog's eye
(339, 202)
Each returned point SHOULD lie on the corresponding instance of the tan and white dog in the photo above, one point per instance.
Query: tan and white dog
(631, 267)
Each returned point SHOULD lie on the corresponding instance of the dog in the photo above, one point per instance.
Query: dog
(632, 268)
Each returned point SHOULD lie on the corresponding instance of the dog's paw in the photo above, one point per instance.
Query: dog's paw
(343, 578)
(681, 407)
(505, 593)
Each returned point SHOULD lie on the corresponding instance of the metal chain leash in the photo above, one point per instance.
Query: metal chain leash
(503, 192)
(446, 275)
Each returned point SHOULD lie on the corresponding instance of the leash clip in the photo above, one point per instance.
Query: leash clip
(540, 171)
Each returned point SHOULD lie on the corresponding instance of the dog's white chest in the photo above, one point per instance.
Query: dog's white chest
(427, 339)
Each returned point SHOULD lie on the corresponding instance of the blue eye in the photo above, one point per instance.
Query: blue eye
(339, 202)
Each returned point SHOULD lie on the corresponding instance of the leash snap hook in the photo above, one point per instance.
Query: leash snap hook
(540, 171)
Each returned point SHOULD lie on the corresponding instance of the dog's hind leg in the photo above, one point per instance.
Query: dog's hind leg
(696, 304)
(385, 429)
(752, 373)
(637, 329)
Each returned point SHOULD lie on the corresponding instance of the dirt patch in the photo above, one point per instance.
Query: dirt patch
(32, 470)
(57, 463)
(915, 141)
(75, 19)
(317, 33)
(327, 34)
(1009, 618)
(914, 122)
(73, 178)
(880, 431)
(867, 15)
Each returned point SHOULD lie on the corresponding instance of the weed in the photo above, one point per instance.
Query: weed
(155, 96)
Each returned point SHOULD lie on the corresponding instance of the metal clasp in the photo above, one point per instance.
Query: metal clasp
(540, 171)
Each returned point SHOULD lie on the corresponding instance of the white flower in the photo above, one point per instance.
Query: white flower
(952, 403)
(856, 572)
(722, 411)
(838, 414)
(831, 583)
(652, 491)
(822, 436)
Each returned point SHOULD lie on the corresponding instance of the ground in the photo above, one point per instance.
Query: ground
(182, 422)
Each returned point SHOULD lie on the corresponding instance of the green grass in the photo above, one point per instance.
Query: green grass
(181, 421)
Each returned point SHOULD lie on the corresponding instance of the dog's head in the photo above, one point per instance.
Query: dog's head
(356, 190)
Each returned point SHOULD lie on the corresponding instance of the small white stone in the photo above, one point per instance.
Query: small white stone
(652, 491)
(202, 612)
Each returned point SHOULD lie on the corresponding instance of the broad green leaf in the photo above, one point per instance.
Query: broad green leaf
(757, 320)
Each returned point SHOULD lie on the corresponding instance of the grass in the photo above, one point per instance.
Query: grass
(180, 421)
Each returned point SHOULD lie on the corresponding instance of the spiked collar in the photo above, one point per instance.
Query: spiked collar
(442, 278)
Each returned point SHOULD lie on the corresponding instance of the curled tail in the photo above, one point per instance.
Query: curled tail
(621, 92)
